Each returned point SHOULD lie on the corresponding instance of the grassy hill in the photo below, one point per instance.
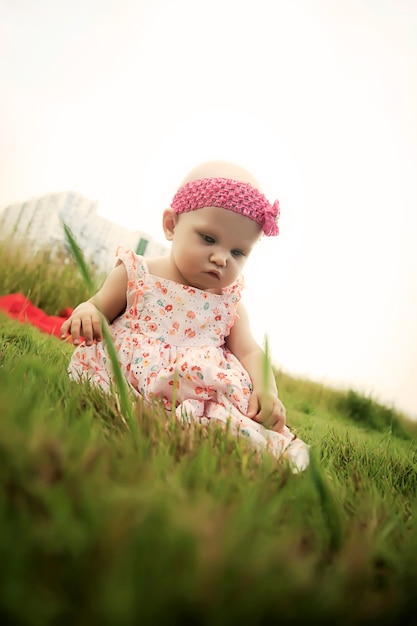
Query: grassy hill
(105, 520)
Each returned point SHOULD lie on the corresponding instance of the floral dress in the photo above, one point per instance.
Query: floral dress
(170, 344)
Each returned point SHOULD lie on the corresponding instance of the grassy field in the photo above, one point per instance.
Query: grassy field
(108, 522)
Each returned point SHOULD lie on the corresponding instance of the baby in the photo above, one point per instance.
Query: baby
(179, 327)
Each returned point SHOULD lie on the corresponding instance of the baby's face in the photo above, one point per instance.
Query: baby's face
(210, 246)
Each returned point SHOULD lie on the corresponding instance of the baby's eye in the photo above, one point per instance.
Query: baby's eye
(207, 238)
(237, 253)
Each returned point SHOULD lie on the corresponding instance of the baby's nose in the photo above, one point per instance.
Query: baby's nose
(219, 258)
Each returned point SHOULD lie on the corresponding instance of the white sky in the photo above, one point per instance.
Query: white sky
(118, 99)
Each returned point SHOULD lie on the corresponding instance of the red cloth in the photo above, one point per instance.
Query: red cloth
(18, 307)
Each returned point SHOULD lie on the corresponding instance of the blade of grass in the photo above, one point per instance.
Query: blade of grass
(266, 366)
(266, 372)
(79, 259)
(125, 399)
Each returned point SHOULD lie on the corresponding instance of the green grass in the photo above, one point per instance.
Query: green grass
(103, 522)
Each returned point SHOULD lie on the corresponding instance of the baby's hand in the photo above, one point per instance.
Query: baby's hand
(268, 410)
(85, 321)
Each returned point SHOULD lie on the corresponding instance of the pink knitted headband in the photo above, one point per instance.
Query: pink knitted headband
(228, 194)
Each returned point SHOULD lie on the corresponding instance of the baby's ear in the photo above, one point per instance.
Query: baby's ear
(169, 221)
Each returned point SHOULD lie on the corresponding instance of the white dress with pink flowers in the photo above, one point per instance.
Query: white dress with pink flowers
(172, 336)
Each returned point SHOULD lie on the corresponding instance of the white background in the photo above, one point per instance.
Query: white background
(118, 99)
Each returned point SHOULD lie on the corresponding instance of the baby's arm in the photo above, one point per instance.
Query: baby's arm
(265, 406)
(110, 300)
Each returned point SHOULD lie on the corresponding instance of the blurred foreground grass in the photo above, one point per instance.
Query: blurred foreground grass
(102, 525)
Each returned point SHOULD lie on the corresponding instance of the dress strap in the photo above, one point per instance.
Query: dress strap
(137, 272)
